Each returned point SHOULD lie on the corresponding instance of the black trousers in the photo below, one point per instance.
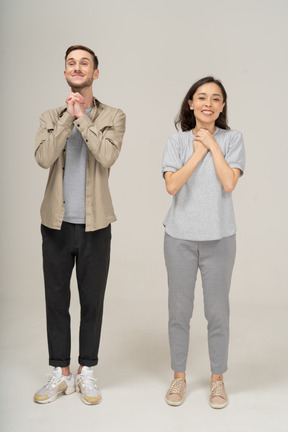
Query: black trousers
(91, 252)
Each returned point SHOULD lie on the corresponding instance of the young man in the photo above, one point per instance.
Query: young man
(79, 142)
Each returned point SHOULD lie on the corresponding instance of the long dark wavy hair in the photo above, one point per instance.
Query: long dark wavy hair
(186, 119)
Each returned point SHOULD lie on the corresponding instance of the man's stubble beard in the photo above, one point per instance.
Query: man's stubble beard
(77, 87)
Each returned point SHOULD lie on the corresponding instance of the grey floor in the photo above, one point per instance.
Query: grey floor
(134, 371)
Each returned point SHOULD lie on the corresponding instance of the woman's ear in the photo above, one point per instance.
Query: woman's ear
(190, 103)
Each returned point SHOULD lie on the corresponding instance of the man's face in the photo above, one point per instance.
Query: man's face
(79, 70)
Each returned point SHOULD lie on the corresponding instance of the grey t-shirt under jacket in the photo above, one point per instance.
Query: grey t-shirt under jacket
(201, 210)
(74, 182)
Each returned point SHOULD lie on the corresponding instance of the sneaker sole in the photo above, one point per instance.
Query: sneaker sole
(171, 403)
(90, 403)
(215, 406)
(67, 392)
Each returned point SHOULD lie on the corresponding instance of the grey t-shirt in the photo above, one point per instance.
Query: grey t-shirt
(74, 183)
(201, 210)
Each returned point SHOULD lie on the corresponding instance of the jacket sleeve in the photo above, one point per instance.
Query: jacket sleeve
(105, 143)
(51, 138)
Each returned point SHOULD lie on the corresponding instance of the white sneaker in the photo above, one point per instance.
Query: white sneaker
(86, 385)
(56, 385)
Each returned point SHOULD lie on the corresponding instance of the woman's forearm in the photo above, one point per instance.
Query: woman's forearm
(227, 176)
(175, 180)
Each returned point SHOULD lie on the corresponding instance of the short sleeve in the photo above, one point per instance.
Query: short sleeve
(171, 157)
(235, 156)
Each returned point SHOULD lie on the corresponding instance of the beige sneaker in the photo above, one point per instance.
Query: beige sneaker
(175, 393)
(56, 385)
(86, 386)
(218, 397)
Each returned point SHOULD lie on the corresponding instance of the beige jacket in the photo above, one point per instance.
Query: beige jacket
(103, 133)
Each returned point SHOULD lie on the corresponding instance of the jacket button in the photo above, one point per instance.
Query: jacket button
(86, 140)
(78, 125)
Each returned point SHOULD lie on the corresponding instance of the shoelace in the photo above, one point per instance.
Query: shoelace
(176, 387)
(89, 382)
(217, 389)
(52, 381)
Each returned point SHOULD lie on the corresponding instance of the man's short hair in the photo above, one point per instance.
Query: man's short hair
(82, 47)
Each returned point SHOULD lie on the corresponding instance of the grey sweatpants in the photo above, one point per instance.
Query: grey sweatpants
(215, 259)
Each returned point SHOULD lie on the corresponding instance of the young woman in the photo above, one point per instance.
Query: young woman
(201, 166)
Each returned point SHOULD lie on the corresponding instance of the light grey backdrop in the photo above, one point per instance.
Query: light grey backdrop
(150, 53)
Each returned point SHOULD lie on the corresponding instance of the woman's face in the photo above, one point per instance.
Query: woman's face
(207, 103)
